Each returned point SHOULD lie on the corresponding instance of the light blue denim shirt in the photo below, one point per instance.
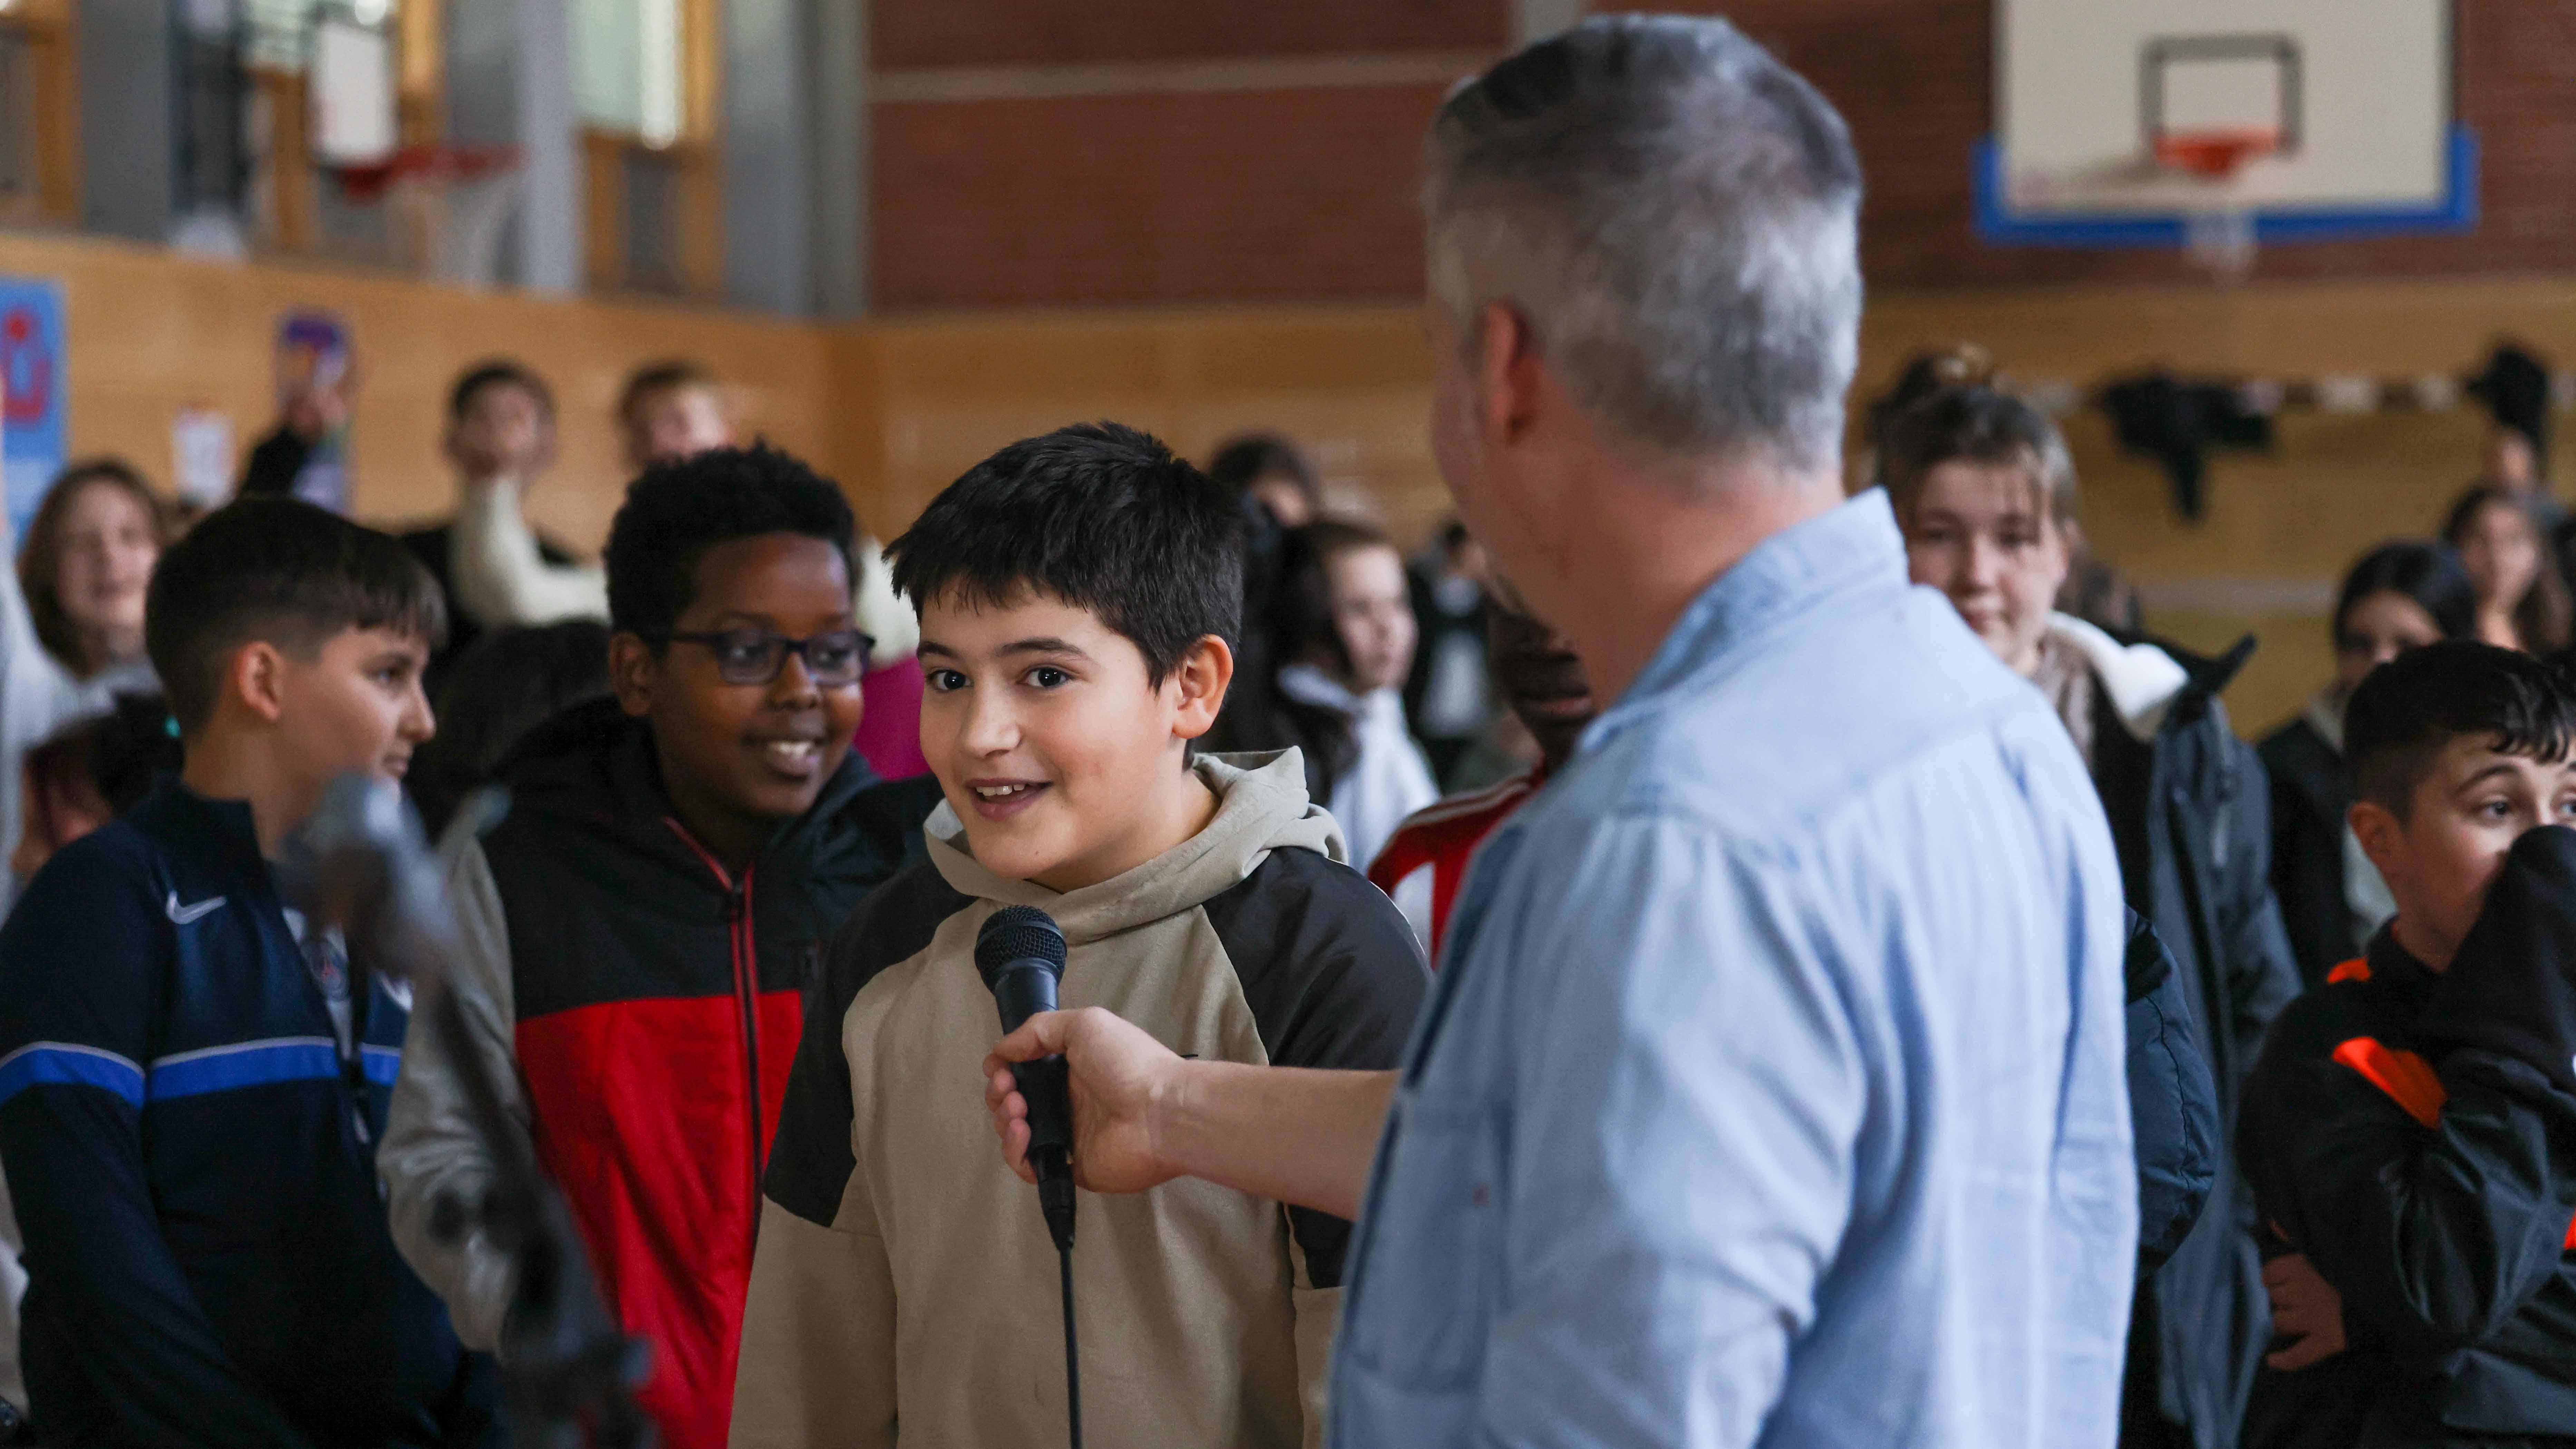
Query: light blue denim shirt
(1772, 1090)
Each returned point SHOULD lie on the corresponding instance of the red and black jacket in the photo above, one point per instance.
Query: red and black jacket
(2432, 1184)
(658, 999)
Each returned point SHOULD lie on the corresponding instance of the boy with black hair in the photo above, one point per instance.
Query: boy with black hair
(638, 931)
(192, 1079)
(496, 569)
(1079, 594)
(2410, 1128)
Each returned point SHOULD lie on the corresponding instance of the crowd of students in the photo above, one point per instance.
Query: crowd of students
(766, 780)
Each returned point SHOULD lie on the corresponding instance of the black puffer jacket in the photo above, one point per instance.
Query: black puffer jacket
(2190, 812)
(2414, 1136)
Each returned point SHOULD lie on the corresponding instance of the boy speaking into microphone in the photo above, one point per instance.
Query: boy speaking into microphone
(1080, 595)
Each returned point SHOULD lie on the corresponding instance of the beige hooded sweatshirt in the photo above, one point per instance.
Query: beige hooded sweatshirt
(905, 1290)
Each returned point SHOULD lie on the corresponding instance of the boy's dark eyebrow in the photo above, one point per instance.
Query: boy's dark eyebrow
(2500, 767)
(1043, 645)
(1047, 644)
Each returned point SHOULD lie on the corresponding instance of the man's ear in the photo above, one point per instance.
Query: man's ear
(2382, 836)
(256, 679)
(632, 672)
(1201, 679)
(1510, 377)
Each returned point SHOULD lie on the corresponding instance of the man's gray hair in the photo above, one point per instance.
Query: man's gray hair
(1676, 214)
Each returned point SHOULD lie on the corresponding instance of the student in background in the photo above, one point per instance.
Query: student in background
(1981, 485)
(2409, 1127)
(71, 616)
(639, 932)
(1283, 597)
(1448, 691)
(2400, 596)
(1351, 658)
(1274, 473)
(85, 566)
(91, 772)
(1078, 600)
(2094, 591)
(670, 409)
(197, 1076)
(306, 455)
(2523, 603)
(509, 683)
(1542, 681)
(496, 570)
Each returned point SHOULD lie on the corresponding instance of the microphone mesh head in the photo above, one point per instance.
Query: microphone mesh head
(1018, 933)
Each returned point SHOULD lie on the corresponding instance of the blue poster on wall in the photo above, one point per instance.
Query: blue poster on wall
(32, 411)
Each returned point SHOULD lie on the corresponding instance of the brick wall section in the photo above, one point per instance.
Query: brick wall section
(1289, 195)
(1196, 197)
(1071, 32)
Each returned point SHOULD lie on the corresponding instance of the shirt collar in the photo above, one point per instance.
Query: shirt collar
(2393, 967)
(223, 827)
(1855, 543)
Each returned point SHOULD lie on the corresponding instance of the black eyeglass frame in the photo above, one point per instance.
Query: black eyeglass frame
(780, 646)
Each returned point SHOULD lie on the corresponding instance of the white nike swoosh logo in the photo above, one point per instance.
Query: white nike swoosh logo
(188, 915)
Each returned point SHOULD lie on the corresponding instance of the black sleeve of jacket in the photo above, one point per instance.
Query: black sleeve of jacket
(274, 465)
(2436, 1235)
(890, 815)
(81, 962)
(2173, 1103)
(2262, 974)
(810, 1161)
(1334, 977)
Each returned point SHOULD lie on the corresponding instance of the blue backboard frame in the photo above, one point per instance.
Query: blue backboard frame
(2456, 211)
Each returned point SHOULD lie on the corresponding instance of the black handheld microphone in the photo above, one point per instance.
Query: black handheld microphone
(1020, 952)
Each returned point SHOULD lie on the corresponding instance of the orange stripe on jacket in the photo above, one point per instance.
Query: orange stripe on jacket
(2406, 1077)
(2402, 1075)
(2356, 969)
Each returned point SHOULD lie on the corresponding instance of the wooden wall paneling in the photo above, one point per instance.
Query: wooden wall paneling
(1352, 384)
(54, 77)
(151, 332)
(896, 408)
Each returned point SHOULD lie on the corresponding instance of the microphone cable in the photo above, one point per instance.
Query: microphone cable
(1055, 1202)
(1072, 1354)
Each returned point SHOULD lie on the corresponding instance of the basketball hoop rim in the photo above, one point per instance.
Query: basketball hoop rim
(2215, 153)
(434, 162)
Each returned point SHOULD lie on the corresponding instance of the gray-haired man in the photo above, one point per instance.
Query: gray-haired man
(1772, 1087)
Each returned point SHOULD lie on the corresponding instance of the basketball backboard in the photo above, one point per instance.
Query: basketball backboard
(2134, 122)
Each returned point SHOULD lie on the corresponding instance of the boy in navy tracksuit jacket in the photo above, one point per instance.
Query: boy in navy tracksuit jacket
(191, 1080)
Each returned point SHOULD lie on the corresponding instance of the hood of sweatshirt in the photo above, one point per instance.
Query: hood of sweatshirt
(595, 764)
(1261, 807)
(2142, 680)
